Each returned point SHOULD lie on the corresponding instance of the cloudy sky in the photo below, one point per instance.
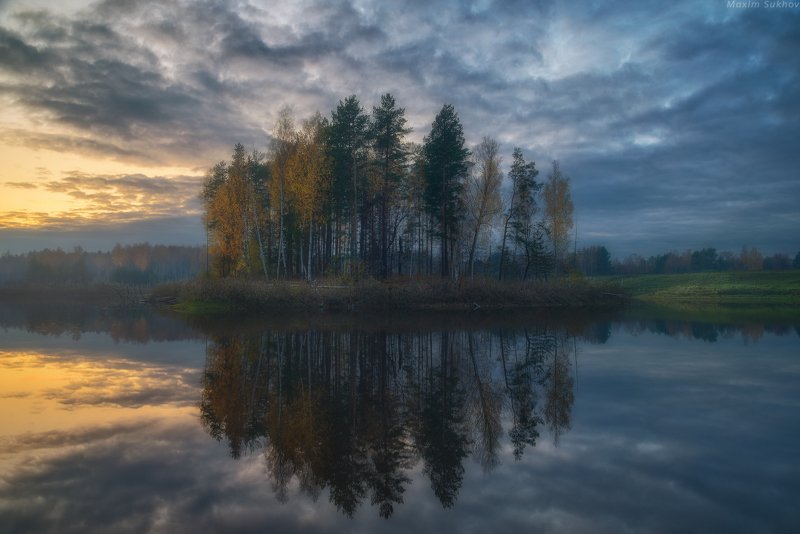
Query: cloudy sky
(679, 122)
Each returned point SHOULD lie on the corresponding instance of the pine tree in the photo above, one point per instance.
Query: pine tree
(348, 152)
(447, 165)
(388, 130)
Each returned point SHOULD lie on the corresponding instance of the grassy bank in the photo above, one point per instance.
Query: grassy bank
(758, 288)
(218, 296)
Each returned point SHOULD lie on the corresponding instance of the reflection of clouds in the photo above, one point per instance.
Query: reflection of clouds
(668, 435)
(62, 439)
(169, 477)
(131, 385)
(82, 382)
(150, 476)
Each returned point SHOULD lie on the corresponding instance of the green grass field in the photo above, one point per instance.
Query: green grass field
(752, 288)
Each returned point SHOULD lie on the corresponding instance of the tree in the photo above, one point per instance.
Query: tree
(307, 176)
(752, 259)
(388, 130)
(527, 234)
(446, 167)
(348, 150)
(283, 145)
(214, 180)
(234, 197)
(594, 261)
(704, 260)
(226, 196)
(258, 181)
(482, 193)
(558, 210)
(414, 198)
(796, 262)
(520, 217)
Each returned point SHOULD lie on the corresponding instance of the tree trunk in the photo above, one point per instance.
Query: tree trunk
(260, 241)
(472, 251)
(503, 248)
(354, 218)
(308, 270)
(445, 266)
(281, 242)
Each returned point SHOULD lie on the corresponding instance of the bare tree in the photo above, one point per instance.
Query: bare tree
(558, 211)
(482, 193)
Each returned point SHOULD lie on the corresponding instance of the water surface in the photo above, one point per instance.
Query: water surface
(133, 421)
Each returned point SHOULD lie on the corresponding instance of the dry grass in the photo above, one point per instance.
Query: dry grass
(209, 296)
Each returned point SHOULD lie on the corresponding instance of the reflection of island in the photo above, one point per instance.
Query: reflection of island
(353, 412)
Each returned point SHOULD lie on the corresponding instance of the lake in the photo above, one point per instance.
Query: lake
(133, 421)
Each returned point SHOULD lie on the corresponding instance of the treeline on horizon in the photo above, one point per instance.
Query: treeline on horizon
(139, 264)
(348, 195)
(146, 264)
(704, 260)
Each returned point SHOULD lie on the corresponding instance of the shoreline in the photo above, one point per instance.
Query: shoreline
(201, 297)
(737, 292)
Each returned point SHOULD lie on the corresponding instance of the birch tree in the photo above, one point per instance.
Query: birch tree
(307, 176)
(282, 147)
(558, 210)
(482, 193)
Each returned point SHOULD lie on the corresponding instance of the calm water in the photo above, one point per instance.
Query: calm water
(136, 422)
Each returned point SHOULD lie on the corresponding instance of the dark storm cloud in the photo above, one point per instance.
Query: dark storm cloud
(675, 115)
(75, 145)
(111, 92)
(721, 173)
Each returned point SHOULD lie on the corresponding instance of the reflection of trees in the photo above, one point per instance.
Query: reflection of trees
(79, 315)
(519, 372)
(484, 402)
(558, 382)
(441, 435)
(706, 331)
(232, 405)
(353, 412)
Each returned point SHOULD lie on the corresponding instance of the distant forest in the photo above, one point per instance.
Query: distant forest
(145, 264)
(141, 264)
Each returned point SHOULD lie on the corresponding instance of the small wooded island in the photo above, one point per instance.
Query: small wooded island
(342, 213)
(349, 197)
(384, 223)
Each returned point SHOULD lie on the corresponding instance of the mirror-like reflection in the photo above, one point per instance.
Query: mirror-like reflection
(469, 422)
(354, 411)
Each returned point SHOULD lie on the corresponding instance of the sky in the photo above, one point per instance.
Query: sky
(678, 122)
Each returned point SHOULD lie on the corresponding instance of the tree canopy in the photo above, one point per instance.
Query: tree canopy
(350, 196)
